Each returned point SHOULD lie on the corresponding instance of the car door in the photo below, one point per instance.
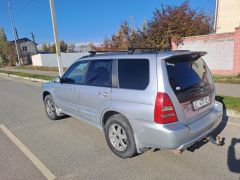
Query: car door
(95, 95)
(66, 93)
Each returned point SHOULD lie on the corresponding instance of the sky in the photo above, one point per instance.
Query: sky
(82, 20)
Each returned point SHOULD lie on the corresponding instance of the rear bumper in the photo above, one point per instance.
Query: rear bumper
(177, 135)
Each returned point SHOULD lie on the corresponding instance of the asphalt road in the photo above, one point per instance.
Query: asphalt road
(71, 149)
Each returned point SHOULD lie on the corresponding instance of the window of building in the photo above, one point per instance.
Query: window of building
(24, 48)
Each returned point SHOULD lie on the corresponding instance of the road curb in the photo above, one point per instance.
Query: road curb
(26, 78)
(233, 113)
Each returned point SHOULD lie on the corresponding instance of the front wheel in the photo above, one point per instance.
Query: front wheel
(119, 136)
(50, 108)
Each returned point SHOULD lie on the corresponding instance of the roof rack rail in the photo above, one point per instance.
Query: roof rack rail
(129, 51)
(93, 53)
(146, 49)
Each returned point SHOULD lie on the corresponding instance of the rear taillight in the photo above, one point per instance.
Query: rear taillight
(164, 111)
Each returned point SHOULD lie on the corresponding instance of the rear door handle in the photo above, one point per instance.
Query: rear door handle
(104, 94)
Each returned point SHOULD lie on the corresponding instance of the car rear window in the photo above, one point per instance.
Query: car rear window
(133, 73)
(187, 71)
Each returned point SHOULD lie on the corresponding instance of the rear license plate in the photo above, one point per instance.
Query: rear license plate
(201, 102)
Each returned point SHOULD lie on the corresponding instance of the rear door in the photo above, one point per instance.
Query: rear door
(192, 84)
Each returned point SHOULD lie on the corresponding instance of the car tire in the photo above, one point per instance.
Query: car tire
(119, 136)
(50, 108)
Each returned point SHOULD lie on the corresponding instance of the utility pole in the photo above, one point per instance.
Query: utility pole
(19, 48)
(34, 43)
(59, 58)
(14, 32)
(216, 16)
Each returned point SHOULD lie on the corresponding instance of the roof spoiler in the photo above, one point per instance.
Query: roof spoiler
(200, 53)
(188, 53)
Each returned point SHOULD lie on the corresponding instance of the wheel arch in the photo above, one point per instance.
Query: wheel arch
(106, 115)
(45, 93)
(109, 113)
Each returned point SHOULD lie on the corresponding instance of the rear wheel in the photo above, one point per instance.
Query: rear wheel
(119, 136)
(50, 108)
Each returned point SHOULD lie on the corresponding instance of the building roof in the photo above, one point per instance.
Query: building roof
(21, 40)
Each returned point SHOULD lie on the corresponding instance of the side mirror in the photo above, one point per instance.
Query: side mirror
(57, 79)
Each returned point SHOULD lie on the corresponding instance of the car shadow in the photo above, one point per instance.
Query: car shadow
(232, 161)
(63, 117)
(217, 131)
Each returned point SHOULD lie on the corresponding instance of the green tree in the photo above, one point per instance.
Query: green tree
(52, 48)
(63, 46)
(119, 41)
(45, 47)
(139, 37)
(3, 47)
(2, 35)
(169, 23)
(11, 54)
(173, 22)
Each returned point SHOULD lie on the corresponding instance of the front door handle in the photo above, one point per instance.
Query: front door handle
(73, 89)
(104, 94)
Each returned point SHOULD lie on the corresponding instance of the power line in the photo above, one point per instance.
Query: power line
(24, 7)
(19, 11)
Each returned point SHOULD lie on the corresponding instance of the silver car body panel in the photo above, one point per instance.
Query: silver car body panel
(89, 104)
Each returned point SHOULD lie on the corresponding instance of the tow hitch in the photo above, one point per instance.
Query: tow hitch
(217, 141)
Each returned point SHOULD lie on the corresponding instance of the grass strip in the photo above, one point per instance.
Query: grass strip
(39, 68)
(232, 103)
(36, 76)
(227, 79)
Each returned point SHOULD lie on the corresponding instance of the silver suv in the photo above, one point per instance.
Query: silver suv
(140, 100)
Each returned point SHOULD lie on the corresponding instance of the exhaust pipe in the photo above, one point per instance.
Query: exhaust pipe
(217, 142)
(177, 151)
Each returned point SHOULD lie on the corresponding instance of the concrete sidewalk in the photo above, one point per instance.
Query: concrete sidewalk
(228, 89)
(222, 89)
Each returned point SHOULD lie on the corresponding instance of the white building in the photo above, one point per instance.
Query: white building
(26, 49)
(227, 15)
(85, 47)
(50, 60)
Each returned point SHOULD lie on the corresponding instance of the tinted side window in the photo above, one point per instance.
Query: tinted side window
(99, 73)
(133, 73)
(76, 73)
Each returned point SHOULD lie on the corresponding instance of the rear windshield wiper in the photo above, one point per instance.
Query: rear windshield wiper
(191, 88)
